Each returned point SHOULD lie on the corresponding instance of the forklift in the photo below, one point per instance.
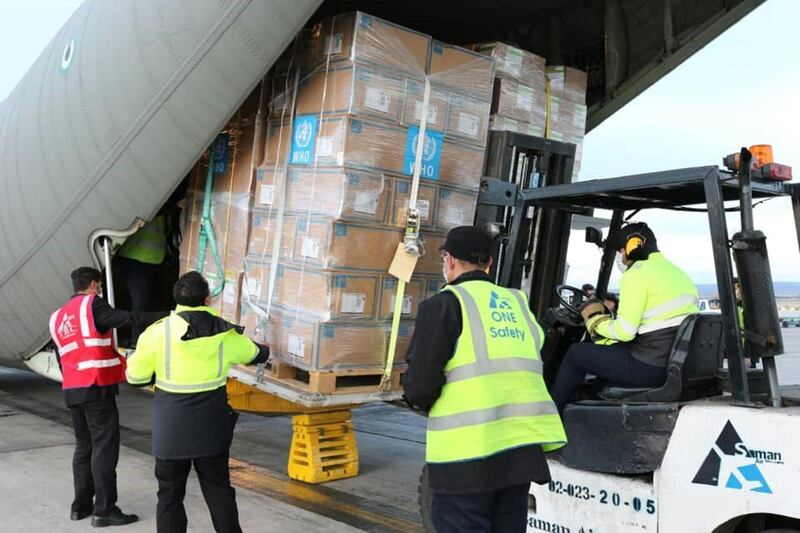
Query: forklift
(713, 449)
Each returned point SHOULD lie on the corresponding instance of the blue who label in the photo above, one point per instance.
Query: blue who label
(431, 154)
(304, 137)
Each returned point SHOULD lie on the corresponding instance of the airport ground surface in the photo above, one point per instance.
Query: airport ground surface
(36, 443)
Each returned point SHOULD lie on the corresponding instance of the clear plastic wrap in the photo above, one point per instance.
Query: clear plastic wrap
(331, 196)
(515, 64)
(520, 102)
(230, 210)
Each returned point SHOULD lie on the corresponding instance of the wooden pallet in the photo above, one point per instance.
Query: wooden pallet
(342, 381)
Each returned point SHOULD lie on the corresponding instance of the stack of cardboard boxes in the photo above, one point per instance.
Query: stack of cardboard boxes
(332, 193)
(568, 108)
(532, 99)
(231, 197)
(519, 101)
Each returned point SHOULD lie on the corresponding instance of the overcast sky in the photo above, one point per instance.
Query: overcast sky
(701, 111)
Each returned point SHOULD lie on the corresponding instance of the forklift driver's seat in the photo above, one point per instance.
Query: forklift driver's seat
(694, 359)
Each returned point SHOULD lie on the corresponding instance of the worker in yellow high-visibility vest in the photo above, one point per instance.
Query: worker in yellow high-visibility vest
(187, 356)
(138, 263)
(474, 365)
(655, 297)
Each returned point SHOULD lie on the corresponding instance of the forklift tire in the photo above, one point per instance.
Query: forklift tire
(425, 500)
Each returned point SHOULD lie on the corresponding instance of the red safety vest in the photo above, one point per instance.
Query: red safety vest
(88, 357)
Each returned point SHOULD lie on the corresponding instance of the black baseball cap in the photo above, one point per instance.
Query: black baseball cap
(468, 243)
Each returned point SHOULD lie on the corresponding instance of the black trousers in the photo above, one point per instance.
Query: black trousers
(500, 511)
(215, 482)
(612, 364)
(94, 464)
(143, 282)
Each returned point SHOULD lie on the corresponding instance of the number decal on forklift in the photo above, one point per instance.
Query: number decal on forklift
(604, 497)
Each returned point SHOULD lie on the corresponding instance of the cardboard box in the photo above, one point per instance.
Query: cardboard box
(567, 118)
(455, 208)
(500, 123)
(278, 144)
(519, 102)
(468, 119)
(462, 165)
(368, 39)
(412, 105)
(515, 64)
(567, 83)
(341, 140)
(350, 89)
(318, 345)
(328, 295)
(426, 203)
(412, 296)
(461, 70)
(340, 193)
(264, 227)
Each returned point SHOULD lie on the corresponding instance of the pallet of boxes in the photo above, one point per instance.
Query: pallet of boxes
(533, 99)
(329, 197)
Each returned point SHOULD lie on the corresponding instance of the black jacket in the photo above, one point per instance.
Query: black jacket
(200, 424)
(106, 318)
(436, 332)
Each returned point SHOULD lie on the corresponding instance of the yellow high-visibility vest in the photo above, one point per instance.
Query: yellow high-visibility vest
(495, 398)
(196, 365)
(148, 245)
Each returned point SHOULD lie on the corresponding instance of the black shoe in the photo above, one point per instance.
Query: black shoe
(116, 518)
(79, 515)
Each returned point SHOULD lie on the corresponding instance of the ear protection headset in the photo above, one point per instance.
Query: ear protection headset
(636, 241)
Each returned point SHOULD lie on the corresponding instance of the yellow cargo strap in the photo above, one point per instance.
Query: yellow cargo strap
(411, 249)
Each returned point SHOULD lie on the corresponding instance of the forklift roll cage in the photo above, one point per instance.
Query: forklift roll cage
(531, 196)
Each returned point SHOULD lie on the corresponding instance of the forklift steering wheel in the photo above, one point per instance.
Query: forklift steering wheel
(576, 292)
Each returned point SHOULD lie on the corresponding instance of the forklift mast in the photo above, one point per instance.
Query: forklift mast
(539, 237)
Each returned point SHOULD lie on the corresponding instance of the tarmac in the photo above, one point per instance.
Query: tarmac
(36, 444)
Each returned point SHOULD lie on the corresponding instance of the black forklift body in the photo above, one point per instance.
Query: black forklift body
(537, 214)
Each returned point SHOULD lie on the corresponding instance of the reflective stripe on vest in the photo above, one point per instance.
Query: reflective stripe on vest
(87, 356)
(494, 397)
(168, 385)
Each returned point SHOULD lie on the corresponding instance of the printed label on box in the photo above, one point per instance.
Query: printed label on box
(513, 62)
(431, 153)
(525, 98)
(310, 248)
(297, 345)
(453, 216)
(468, 124)
(303, 140)
(366, 202)
(408, 302)
(266, 194)
(334, 43)
(229, 293)
(353, 303)
(433, 112)
(377, 99)
(326, 146)
(254, 287)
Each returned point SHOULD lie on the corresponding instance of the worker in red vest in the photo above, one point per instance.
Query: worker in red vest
(82, 331)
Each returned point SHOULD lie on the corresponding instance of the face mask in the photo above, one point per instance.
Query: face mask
(621, 266)
(444, 272)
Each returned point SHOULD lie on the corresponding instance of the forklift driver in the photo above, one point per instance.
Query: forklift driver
(655, 297)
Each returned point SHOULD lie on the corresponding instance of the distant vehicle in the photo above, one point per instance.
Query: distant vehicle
(790, 322)
(709, 305)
